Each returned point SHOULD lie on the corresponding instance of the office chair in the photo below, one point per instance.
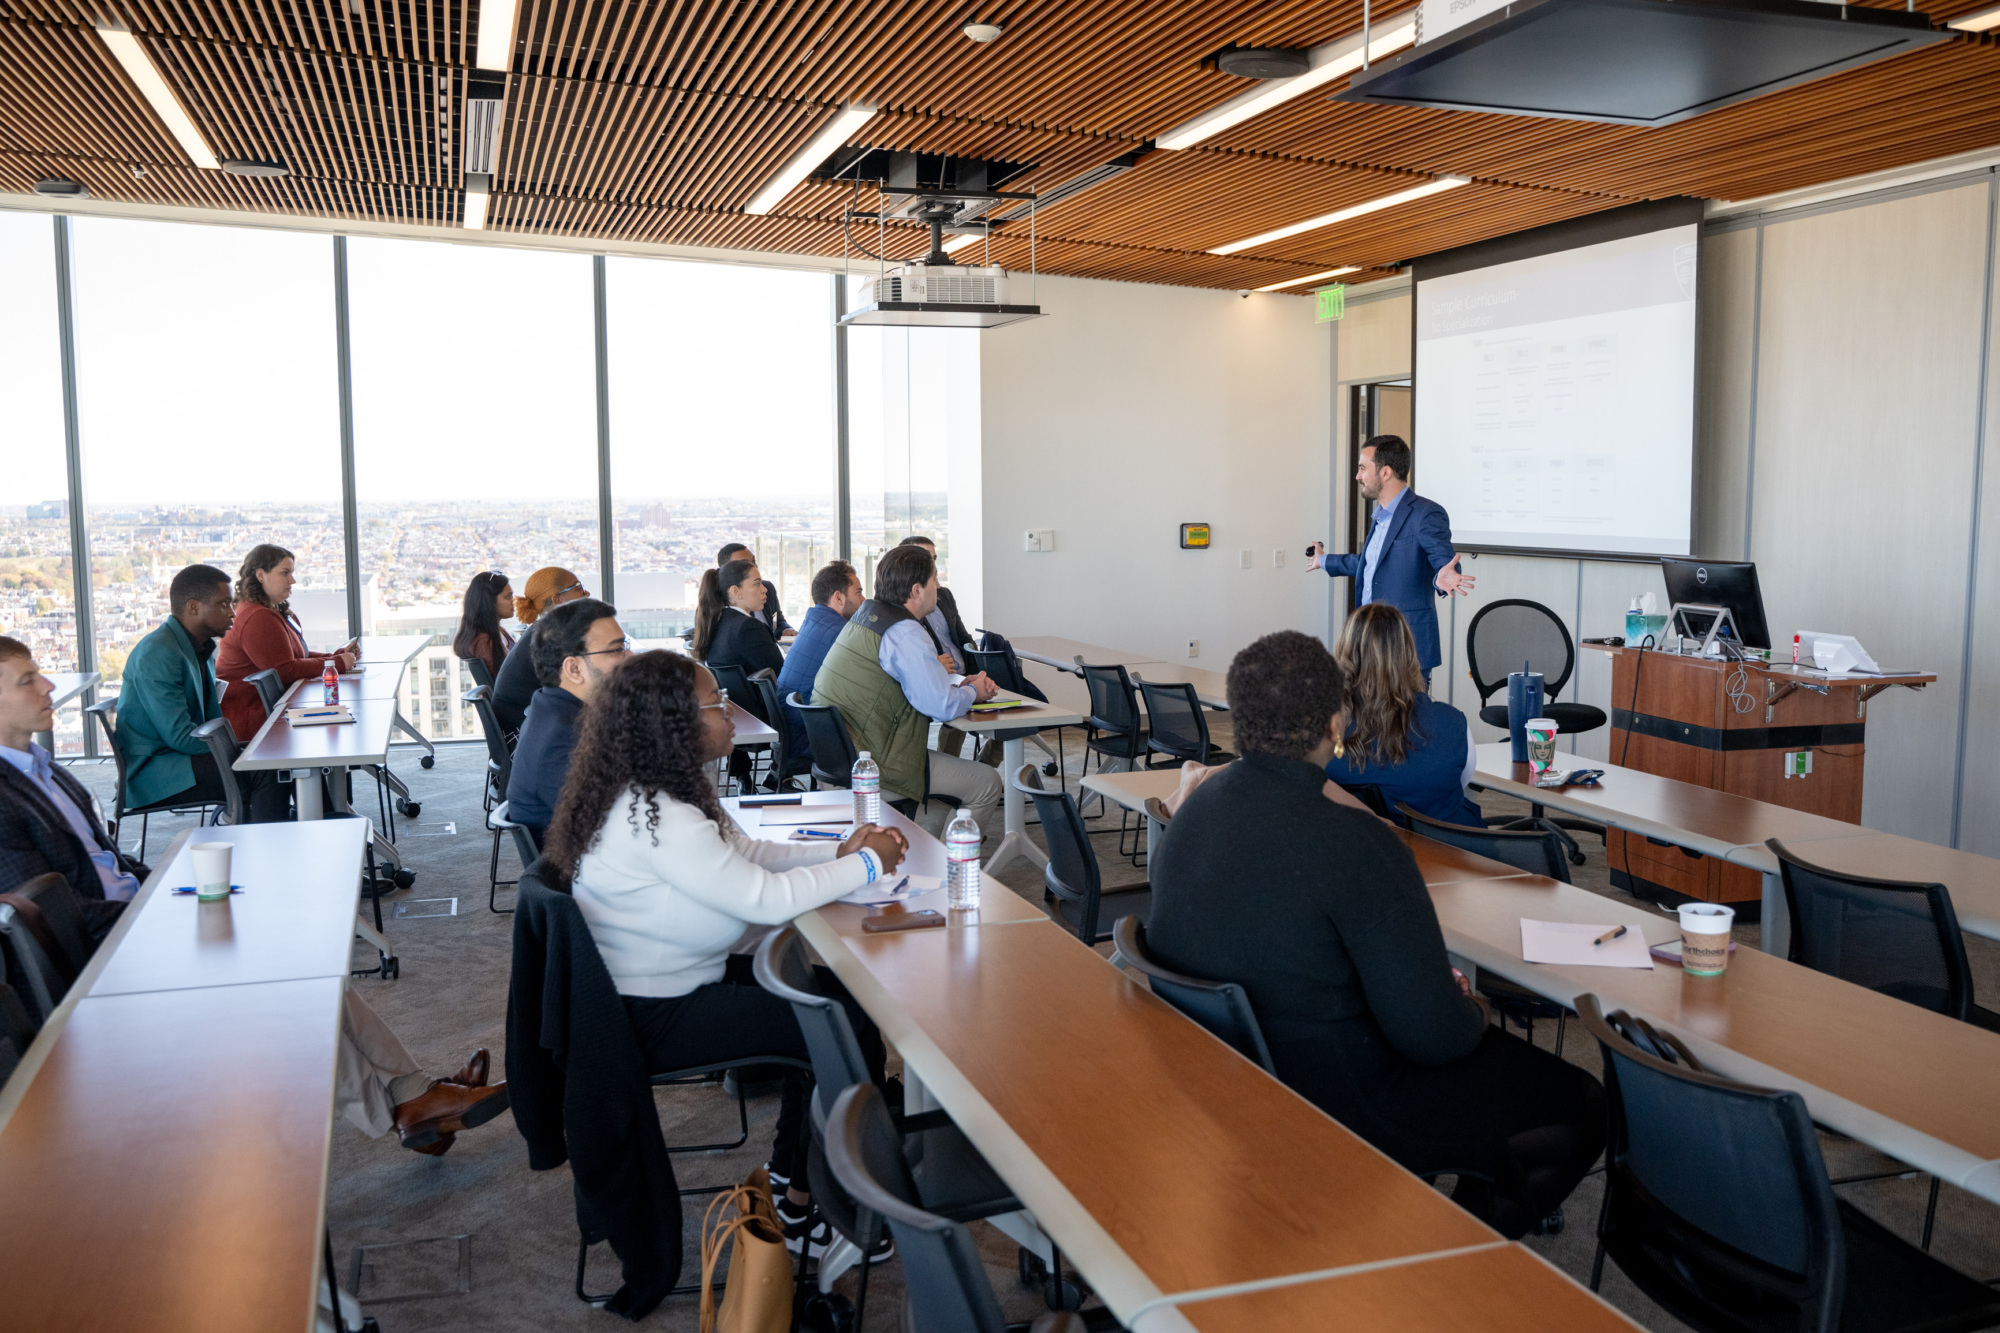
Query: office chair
(480, 674)
(945, 1282)
(1072, 885)
(220, 738)
(950, 1175)
(1514, 630)
(1005, 669)
(743, 759)
(1178, 727)
(1371, 796)
(1222, 1007)
(1539, 852)
(106, 713)
(784, 764)
(1737, 1227)
(499, 771)
(833, 752)
(17, 1030)
(1113, 731)
(43, 941)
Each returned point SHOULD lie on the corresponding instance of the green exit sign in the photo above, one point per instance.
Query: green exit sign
(1330, 302)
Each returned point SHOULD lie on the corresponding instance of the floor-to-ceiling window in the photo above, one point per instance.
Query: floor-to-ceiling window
(37, 596)
(722, 429)
(913, 437)
(208, 398)
(475, 439)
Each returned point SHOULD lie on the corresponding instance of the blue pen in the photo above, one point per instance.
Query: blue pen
(815, 833)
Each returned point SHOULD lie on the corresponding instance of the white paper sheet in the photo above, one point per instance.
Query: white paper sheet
(893, 890)
(784, 816)
(1571, 942)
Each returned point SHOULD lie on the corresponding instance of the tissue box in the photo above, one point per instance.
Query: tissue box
(1638, 625)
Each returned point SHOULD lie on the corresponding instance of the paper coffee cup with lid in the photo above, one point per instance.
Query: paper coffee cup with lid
(1542, 733)
(211, 869)
(1705, 931)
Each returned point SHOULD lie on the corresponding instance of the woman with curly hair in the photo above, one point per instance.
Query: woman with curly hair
(670, 887)
(1417, 751)
(266, 635)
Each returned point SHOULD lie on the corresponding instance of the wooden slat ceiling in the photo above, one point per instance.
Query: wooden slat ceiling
(657, 121)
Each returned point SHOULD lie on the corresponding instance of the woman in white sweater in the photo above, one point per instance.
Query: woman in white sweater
(671, 889)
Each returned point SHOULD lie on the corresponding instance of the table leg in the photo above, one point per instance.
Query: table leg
(1154, 832)
(1014, 842)
(1777, 920)
(306, 783)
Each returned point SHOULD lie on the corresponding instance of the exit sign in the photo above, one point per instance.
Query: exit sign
(1330, 303)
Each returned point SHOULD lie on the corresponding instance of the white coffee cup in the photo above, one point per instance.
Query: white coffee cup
(211, 869)
(1542, 733)
(1705, 931)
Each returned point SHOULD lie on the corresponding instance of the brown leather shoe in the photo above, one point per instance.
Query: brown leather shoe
(437, 1149)
(447, 1109)
(473, 1073)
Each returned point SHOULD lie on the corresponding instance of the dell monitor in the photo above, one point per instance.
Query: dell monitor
(1726, 583)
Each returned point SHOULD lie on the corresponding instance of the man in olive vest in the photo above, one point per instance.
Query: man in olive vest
(884, 676)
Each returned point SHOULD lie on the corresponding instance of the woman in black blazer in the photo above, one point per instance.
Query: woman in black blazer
(727, 630)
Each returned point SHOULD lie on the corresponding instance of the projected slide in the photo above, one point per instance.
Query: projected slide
(1555, 397)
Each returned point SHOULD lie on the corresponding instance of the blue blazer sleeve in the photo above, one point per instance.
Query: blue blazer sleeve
(1349, 565)
(1434, 540)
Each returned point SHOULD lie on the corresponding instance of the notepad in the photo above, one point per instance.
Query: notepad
(1570, 942)
(998, 705)
(318, 717)
(785, 816)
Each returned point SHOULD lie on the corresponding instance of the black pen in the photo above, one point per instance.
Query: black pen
(1607, 937)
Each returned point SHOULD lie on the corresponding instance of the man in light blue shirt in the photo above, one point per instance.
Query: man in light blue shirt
(909, 654)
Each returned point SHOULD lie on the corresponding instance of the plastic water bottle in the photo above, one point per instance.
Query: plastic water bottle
(961, 850)
(329, 683)
(866, 783)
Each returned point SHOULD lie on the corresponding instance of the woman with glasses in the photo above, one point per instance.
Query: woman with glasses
(670, 887)
(516, 681)
(266, 636)
(489, 599)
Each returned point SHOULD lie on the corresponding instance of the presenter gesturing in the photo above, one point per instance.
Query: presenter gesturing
(1408, 560)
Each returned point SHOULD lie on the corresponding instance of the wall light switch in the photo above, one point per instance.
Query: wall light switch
(1243, 560)
(1032, 542)
(1040, 539)
(1278, 558)
(1194, 647)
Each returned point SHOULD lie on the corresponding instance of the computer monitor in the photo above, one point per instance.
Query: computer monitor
(1726, 583)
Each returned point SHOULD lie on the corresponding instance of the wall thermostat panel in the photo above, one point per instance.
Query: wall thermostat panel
(1194, 536)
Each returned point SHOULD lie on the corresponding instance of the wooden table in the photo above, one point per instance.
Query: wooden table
(301, 884)
(1498, 1286)
(1915, 1084)
(1015, 725)
(998, 904)
(1060, 652)
(1156, 1156)
(69, 684)
(750, 729)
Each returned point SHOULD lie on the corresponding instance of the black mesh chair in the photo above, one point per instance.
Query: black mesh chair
(951, 1177)
(17, 1032)
(481, 674)
(1511, 631)
(1717, 1206)
(269, 688)
(764, 690)
(44, 941)
(1113, 731)
(1072, 885)
(1899, 938)
(106, 713)
(220, 738)
(945, 1283)
(1537, 851)
(499, 770)
(833, 752)
(1223, 1007)
(1177, 726)
(1371, 796)
(1004, 668)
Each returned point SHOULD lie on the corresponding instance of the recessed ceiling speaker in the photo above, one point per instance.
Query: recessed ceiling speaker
(1264, 62)
(58, 188)
(250, 166)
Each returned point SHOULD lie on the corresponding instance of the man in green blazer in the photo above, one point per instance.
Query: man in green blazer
(170, 688)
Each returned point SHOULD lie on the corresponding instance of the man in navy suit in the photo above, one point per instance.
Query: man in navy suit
(1408, 560)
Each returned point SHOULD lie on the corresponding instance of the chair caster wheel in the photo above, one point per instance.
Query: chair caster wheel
(1049, 769)
(1577, 858)
(1033, 1270)
(392, 967)
(1061, 1295)
(409, 809)
(428, 761)
(827, 1313)
(405, 878)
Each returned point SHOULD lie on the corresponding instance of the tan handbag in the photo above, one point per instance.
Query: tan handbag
(757, 1296)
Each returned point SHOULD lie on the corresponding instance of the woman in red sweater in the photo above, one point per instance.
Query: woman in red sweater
(266, 635)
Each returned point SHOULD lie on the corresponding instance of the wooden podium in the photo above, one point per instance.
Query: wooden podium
(1733, 727)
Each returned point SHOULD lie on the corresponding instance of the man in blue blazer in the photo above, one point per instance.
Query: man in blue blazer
(1408, 559)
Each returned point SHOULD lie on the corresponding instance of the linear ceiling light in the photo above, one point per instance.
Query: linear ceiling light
(960, 242)
(125, 47)
(1334, 60)
(1310, 277)
(817, 150)
(478, 190)
(1984, 21)
(1437, 186)
(496, 35)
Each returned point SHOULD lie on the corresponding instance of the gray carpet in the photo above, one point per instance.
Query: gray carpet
(452, 997)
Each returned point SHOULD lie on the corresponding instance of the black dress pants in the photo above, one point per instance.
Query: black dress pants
(1518, 1125)
(266, 797)
(736, 1017)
